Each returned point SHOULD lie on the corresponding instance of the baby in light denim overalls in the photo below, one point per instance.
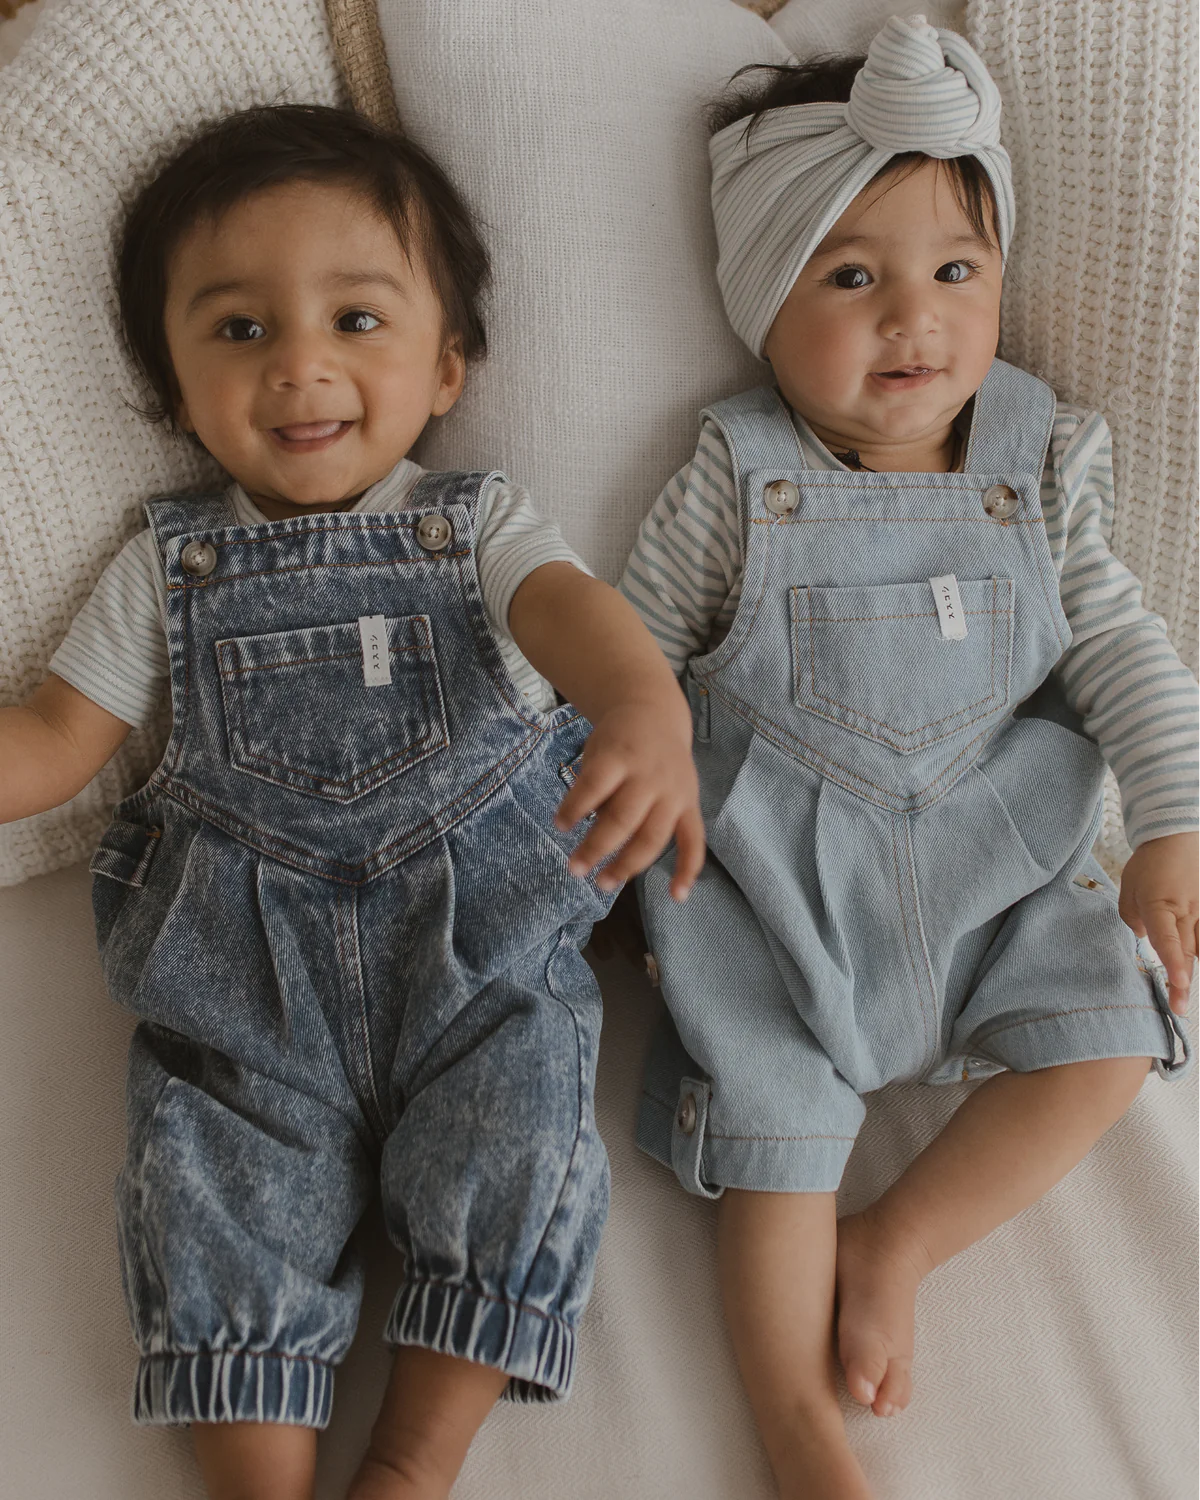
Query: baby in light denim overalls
(346, 907)
(888, 585)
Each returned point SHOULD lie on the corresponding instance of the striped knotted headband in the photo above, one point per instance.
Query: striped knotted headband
(779, 188)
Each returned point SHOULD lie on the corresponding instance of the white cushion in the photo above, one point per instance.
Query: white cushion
(95, 98)
(576, 130)
(813, 28)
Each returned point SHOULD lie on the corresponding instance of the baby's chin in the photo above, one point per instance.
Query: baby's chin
(906, 417)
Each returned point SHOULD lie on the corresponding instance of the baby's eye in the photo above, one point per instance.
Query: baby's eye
(850, 278)
(357, 321)
(956, 270)
(243, 330)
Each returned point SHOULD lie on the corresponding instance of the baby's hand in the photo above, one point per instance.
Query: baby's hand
(1160, 900)
(637, 775)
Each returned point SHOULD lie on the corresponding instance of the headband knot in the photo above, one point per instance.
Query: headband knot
(779, 188)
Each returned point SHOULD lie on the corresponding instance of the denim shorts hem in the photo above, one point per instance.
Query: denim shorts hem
(804, 1162)
(535, 1349)
(171, 1389)
(1086, 1034)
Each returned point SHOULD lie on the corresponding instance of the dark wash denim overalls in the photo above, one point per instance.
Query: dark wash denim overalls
(900, 817)
(344, 915)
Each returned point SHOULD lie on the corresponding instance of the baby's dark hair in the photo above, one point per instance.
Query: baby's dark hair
(828, 80)
(266, 147)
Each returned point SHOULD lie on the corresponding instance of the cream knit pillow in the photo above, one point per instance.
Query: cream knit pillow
(1100, 122)
(97, 96)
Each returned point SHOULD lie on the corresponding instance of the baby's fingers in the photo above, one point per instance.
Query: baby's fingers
(620, 816)
(598, 779)
(643, 849)
(1128, 907)
(689, 852)
(1173, 939)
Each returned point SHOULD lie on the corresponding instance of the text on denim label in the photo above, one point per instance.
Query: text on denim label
(949, 607)
(377, 666)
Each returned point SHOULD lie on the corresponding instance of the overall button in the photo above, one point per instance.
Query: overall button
(686, 1116)
(1000, 502)
(198, 559)
(434, 533)
(781, 497)
(652, 973)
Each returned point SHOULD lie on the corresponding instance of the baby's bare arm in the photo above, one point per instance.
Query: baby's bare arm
(637, 773)
(51, 747)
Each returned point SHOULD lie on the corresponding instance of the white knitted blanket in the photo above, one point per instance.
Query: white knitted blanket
(97, 96)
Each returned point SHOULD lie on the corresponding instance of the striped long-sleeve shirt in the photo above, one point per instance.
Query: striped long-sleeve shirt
(1120, 673)
(116, 649)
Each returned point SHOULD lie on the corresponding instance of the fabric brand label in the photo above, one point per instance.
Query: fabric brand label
(377, 665)
(949, 607)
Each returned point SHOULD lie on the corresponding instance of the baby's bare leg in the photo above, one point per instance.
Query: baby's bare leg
(1009, 1143)
(776, 1253)
(255, 1460)
(433, 1406)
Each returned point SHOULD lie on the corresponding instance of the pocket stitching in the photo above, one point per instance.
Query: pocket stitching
(907, 734)
(358, 784)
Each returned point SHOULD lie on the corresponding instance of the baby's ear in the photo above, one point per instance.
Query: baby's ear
(452, 375)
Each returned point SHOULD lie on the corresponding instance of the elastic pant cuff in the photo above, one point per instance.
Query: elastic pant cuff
(536, 1350)
(232, 1387)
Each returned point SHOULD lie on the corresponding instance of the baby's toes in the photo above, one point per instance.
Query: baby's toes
(895, 1389)
(864, 1358)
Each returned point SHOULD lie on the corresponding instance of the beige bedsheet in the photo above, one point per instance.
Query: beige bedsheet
(1056, 1360)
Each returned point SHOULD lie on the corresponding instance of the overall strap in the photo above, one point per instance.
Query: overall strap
(436, 490)
(759, 432)
(180, 515)
(1012, 422)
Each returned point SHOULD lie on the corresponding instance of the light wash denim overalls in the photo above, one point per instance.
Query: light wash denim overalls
(900, 882)
(342, 910)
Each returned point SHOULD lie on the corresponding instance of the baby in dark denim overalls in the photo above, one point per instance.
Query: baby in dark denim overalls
(887, 582)
(346, 905)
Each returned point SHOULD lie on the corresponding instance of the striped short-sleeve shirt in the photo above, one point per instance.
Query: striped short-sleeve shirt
(115, 652)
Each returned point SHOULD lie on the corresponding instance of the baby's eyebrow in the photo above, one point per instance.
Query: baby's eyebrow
(207, 293)
(833, 243)
(336, 280)
(367, 277)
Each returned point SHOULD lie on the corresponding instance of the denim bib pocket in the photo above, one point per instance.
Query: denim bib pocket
(873, 659)
(299, 711)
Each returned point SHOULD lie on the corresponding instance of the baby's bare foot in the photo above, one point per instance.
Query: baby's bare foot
(878, 1274)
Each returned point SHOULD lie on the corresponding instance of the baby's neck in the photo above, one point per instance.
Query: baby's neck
(279, 509)
(936, 453)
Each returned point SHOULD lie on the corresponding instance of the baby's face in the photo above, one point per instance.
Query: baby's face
(308, 349)
(893, 323)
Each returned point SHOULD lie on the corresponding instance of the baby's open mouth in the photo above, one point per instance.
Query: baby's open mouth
(310, 432)
(905, 377)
